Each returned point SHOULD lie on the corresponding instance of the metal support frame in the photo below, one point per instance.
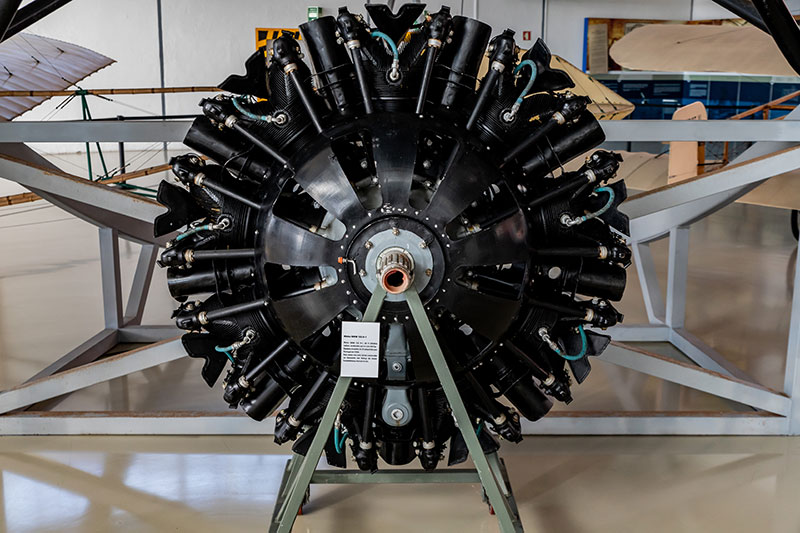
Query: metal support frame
(301, 471)
(667, 212)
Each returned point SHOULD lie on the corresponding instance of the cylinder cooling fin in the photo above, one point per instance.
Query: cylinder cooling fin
(385, 161)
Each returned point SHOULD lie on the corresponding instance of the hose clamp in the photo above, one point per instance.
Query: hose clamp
(498, 66)
(291, 67)
(545, 336)
(202, 318)
(230, 121)
(434, 43)
(428, 445)
(199, 179)
(353, 44)
(188, 255)
(365, 445)
(559, 118)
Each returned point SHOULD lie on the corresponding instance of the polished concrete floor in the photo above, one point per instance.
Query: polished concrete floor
(569, 485)
(740, 280)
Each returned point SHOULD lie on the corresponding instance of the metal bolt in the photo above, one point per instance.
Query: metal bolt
(395, 232)
(364, 163)
(428, 272)
(397, 415)
(397, 367)
(426, 164)
(362, 272)
(368, 245)
(423, 244)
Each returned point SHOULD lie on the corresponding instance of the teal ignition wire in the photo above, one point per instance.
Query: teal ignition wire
(249, 114)
(479, 428)
(605, 207)
(394, 75)
(569, 221)
(389, 41)
(579, 355)
(526, 90)
(338, 439)
(511, 114)
(192, 231)
(226, 350)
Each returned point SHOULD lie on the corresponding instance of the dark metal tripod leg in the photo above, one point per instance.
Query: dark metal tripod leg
(507, 519)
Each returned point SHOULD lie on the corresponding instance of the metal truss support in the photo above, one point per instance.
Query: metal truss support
(89, 374)
(698, 378)
(646, 270)
(792, 372)
(80, 367)
(669, 211)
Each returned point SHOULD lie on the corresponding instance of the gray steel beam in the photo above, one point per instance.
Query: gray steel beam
(94, 131)
(137, 297)
(678, 270)
(87, 352)
(704, 355)
(80, 190)
(725, 179)
(698, 378)
(615, 130)
(651, 289)
(111, 278)
(701, 130)
(90, 374)
(133, 228)
(639, 333)
(660, 423)
(791, 384)
(557, 423)
(135, 333)
(653, 225)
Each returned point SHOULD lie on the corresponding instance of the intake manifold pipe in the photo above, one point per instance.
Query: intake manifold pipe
(503, 55)
(286, 52)
(351, 32)
(190, 169)
(438, 32)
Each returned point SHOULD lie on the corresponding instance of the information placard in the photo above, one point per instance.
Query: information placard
(360, 349)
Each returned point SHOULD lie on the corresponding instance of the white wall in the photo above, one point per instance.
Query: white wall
(205, 40)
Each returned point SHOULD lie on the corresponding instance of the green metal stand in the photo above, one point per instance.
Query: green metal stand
(489, 469)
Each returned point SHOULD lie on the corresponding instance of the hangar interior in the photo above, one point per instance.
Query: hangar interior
(688, 420)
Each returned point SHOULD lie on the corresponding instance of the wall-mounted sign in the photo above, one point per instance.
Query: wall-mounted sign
(264, 36)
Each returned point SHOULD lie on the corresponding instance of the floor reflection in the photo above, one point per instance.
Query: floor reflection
(569, 484)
